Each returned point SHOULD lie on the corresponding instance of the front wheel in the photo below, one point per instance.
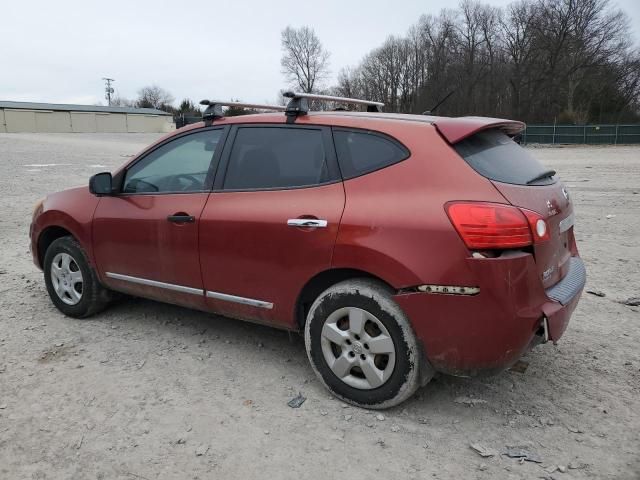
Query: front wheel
(361, 345)
(71, 282)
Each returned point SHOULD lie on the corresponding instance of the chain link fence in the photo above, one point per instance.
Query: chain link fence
(581, 134)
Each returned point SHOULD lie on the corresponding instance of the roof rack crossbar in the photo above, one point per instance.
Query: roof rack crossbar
(299, 103)
(214, 107)
(331, 98)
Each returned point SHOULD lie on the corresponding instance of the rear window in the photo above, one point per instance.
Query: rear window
(495, 156)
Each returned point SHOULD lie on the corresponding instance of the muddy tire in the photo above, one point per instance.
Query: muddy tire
(361, 345)
(72, 283)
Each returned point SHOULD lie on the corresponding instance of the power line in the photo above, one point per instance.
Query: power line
(108, 91)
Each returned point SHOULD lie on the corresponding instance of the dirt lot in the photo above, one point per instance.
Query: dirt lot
(150, 391)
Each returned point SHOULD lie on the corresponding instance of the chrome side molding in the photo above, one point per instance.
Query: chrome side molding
(245, 301)
(194, 291)
(155, 283)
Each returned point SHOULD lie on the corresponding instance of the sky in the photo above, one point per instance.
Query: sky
(58, 51)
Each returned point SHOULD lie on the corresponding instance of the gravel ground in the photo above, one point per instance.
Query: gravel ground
(151, 391)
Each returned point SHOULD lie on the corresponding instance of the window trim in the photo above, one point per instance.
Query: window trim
(376, 133)
(327, 141)
(214, 163)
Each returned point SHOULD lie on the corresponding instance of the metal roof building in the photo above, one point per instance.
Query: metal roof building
(63, 118)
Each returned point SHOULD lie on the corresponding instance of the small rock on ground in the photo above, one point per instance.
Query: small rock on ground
(297, 401)
(202, 450)
(597, 293)
(632, 302)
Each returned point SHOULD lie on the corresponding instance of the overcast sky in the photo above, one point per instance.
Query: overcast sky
(59, 50)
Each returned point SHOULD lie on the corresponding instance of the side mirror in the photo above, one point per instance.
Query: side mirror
(101, 184)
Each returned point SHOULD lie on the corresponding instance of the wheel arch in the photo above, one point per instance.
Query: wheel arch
(48, 236)
(323, 280)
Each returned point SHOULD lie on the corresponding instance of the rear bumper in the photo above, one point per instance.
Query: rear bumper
(488, 332)
(565, 294)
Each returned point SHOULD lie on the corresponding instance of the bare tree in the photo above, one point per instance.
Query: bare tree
(305, 62)
(521, 53)
(349, 83)
(118, 101)
(154, 97)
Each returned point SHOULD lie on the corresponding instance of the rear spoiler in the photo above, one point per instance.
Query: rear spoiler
(457, 129)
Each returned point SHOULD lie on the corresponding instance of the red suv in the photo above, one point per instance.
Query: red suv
(401, 245)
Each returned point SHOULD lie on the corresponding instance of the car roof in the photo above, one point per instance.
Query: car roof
(326, 117)
(453, 129)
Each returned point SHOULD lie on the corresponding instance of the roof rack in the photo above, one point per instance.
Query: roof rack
(214, 108)
(299, 103)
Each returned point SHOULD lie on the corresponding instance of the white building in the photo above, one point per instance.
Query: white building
(59, 118)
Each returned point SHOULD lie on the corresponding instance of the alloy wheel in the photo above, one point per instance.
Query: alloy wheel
(358, 348)
(66, 278)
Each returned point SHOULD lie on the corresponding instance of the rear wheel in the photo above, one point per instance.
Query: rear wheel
(361, 345)
(71, 282)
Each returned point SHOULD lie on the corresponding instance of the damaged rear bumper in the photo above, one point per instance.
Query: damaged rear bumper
(469, 335)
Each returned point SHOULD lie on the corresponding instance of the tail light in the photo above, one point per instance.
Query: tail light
(496, 226)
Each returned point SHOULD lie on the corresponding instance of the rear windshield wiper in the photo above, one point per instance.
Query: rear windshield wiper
(545, 174)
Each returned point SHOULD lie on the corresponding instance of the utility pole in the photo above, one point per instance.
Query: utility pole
(107, 89)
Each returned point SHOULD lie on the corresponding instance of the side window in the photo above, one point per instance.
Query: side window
(270, 157)
(361, 152)
(178, 166)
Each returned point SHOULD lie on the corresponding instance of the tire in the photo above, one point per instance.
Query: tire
(331, 335)
(77, 295)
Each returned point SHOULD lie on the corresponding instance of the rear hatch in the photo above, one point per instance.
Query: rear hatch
(524, 182)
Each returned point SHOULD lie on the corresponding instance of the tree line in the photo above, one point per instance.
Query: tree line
(568, 61)
(540, 61)
(157, 97)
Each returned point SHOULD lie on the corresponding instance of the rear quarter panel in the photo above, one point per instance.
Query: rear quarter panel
(394, 224)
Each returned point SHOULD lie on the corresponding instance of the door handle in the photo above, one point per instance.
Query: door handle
(181, 218)
(307, 222)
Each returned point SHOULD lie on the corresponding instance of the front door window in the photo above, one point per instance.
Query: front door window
(178, 166)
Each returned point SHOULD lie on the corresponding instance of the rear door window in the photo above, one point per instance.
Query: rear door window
(496, 156)
(361, 152)
(277, 158)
